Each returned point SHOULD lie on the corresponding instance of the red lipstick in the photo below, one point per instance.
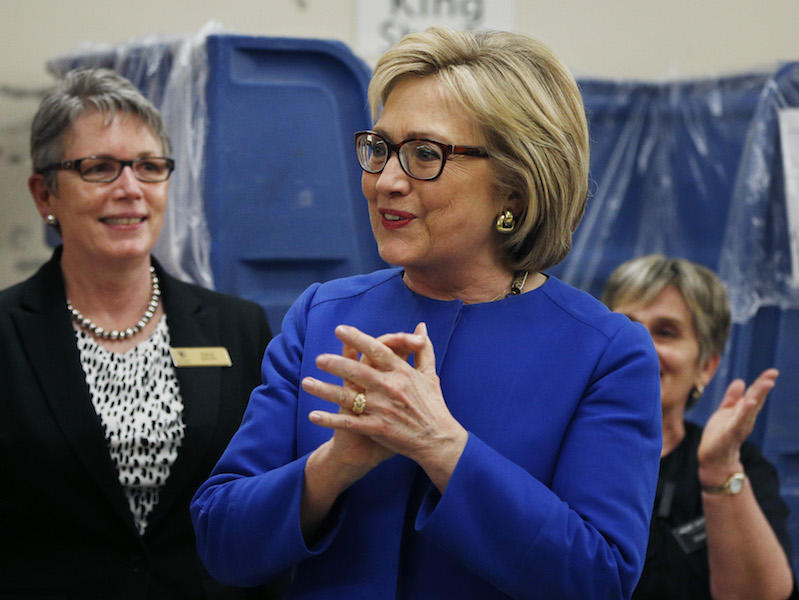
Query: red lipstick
(394, 219)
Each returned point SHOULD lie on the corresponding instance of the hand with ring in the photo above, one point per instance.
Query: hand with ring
(402, 408)
(350, 448)
(393, 341)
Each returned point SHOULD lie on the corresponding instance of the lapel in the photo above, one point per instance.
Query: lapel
(47, 337)
(191, 323)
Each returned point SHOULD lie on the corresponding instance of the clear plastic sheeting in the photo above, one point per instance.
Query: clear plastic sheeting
(172, 73)
(691, 169)
(756, 258)
(664, 161)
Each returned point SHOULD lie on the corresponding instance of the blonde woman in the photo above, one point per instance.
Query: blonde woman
(515, 454)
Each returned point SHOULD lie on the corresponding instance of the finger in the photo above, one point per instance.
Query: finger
(402, 344)
(757, 392)
(425, 357)
(770, 373)
(353, 372)
(733, 394)
(769, 376)
(348, 351)
(751, 407)
(379, 354)
(337, 394)
(346, 421)
(750, 402)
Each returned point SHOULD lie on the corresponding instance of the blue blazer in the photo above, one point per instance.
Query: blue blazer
(65, 525)
(550, 499)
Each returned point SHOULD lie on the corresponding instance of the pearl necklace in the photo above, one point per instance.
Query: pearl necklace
(99, 332)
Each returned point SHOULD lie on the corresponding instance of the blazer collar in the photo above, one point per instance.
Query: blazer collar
(48, 339)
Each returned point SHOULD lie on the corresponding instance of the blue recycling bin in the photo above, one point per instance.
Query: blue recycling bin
(282, 186)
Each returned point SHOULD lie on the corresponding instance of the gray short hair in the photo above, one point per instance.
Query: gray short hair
(639, 280)
(79, 92)
(530, 111)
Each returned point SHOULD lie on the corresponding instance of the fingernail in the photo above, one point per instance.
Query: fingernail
(423, 325)
(315, 416)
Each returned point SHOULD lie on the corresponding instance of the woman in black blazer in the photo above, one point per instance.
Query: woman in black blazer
(120, 385)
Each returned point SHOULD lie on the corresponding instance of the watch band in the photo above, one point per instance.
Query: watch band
(731, 487)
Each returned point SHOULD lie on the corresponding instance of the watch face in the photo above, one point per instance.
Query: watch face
(735, 484)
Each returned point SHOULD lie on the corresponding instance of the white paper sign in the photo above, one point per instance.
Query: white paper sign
(789, 133)
(381, 23)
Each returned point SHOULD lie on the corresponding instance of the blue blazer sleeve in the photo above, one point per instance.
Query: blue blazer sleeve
(585, 537)
(254, 490)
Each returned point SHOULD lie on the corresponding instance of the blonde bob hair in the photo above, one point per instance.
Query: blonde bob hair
(639, 280)
(530, 112)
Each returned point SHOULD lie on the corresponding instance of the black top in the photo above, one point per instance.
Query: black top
(676, 560)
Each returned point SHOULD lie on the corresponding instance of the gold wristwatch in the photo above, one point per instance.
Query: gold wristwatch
(731, 487)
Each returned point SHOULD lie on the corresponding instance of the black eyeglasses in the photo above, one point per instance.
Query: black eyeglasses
(421, 159)
(101, 169)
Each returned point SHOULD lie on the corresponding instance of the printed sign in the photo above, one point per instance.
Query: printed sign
(382, 23)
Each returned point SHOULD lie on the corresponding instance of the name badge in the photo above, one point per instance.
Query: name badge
(691, 536)
(201, 356)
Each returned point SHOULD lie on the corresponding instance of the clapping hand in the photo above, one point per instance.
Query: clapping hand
(732, 422)
(405, 410)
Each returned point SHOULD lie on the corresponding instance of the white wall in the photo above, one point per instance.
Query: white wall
(605, 38)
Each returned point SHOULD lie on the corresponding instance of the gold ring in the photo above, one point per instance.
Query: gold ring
(358, 404)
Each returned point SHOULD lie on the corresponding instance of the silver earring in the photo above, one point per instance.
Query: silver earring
(51, 220)
(506, 222)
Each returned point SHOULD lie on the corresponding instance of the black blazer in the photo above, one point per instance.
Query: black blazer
(65, 525)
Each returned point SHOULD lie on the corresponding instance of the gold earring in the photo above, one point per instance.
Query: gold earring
(51, 220)
(697, 392)
(506, 222)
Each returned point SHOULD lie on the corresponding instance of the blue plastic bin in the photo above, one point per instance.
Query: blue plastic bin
(282, 186)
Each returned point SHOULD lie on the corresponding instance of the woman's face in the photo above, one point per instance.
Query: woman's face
(669, 321)
(107, 221)
(441, 224)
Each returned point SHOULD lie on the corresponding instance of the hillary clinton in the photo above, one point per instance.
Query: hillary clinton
(462, 425)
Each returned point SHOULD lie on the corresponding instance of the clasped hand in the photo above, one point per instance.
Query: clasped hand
(405, 411)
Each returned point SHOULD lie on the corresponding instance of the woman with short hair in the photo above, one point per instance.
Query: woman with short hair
(719, 525)
(105, 432)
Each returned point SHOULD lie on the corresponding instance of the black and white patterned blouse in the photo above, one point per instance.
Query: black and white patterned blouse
(137, 398)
